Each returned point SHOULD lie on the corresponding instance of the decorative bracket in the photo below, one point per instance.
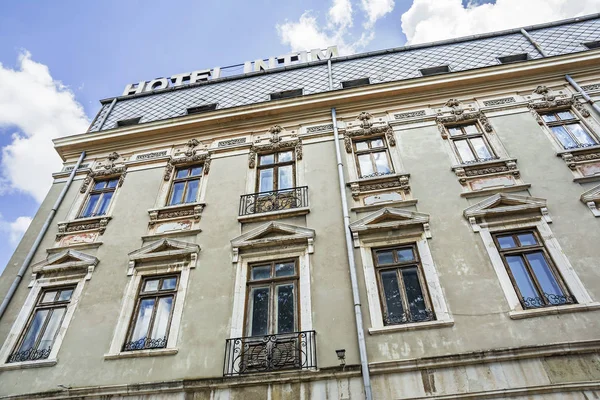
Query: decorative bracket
(106, 170)
(368, 128)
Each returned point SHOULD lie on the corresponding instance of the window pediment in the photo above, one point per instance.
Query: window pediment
(65, 262)
(275, 143)
(389, 218)
(164, 248)
(591, 198)
(367, 128)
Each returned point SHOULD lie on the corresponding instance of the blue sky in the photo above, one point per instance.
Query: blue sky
(93, 49)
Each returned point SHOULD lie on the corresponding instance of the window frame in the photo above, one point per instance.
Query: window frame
(275, 166)
(92, 191)
(560, 122)
(186, 180)
(370, 150)
(468, 137)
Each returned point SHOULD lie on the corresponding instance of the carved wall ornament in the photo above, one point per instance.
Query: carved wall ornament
(507, 166)
(499, 102)
(191, 145)
(455, 105)
(276, 143)
(572, 160)
(368, 128)
(97, 224)
(186, 210)
(463, 116)
(552, 102)
(107, 170)
(365, 120)
(392, 182)
(194, 158)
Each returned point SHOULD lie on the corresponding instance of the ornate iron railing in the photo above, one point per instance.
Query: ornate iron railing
(270, 353)
(277, 200)
(550, 300)
(29, 355)
(407, 317)
(146, 343)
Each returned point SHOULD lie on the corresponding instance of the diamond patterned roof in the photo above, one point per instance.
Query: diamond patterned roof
(394, 66)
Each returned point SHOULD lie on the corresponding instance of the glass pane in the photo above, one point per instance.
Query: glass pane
(51, 328)
(267, 159)
(34, 330)
(266, 180)
(142, 321)
(563, 137)
(65, 295)
(151, 285)
(99, 185)
(454, 131)
(285, 156)
(196, 171)
(177, 193)
(261, 272)
(522, 278)
(527, 239)
(259, 311)
(481, 148)
(161, 320)
(362, 146)
(285, 308)
(405, 254)
(549, 117)
(414, 295)
(286, 177)
(192, 191)
(169, 283)
(366, 167)
(285, 269)
(49, 297)
(471, 129)
(545, 277)
(376, 143)
(393, 300)
(112, 183)
(91, 205)
(464, 151)
(104, 203)
(382, 162)
(565, 115)
(182, 173)
(506, 242)
(581, 135)
(385, 257)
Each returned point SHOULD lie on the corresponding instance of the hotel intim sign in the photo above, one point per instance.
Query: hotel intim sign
(217, 72)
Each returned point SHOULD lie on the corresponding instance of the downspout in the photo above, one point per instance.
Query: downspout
(534, 43)
(583, 93)
(38, 239)
(110, 108)
(362, 348)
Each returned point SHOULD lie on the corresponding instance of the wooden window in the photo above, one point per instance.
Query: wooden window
(276, 171)
(568, 130)
(186, 185)
(43, 325)
(99, 198)
(272, 298)
(534, 276)
(402, 287)
(470, 143)
(372, 157)
(149, 327)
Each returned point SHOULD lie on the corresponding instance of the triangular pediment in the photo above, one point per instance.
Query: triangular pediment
(65, 260)
(273, 233)
(504, 203)
(591, 195)
(389, 218)
(164, 248)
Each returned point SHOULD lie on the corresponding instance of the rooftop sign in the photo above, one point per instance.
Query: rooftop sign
(218, 72)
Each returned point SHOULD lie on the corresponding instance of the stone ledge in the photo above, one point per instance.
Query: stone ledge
(141, 353)
(292, 212)
(411, 327)
(28, 364)
(377, 206)
(521, 314)
(491, 191)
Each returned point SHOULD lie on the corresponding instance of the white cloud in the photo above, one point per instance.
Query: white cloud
(431, 20)
(41, 109)
(15, 229)
(376, 9)
(340, 13)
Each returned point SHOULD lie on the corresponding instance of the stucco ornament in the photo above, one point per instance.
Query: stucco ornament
(368, 128)
(550, 100)
(276, 143)
(108, 169)
(458, 114)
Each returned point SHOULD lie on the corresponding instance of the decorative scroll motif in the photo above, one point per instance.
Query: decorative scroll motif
(457, 115)
(191, 157)
(145, 344)
(499, 102)
(408, 317)
(412, 114)
(286, 199)
(149, 156)
(550, 101)
(395, 182)
(594, 86)
(109, 170)
(551, 300)
(367, 128)
(270, 353)
(319, 128)
(572, 160)
(99, 224)
(509, 166)
(186, 210)
(29, 355)
(231, 142)
(276, 144)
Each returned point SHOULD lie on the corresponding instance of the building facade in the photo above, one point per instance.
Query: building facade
(199, 246)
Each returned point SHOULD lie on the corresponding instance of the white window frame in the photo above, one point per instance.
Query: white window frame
(589, 124)
(162, 199)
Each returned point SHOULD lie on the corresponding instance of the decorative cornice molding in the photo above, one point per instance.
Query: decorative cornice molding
(464, 172)
(367, 128)
(94, 224)
(191, 157)
(458, 114)
(66, 262)
(386, 219)
(107, 170)
(551, 101)
(392, 181)
(276, 143)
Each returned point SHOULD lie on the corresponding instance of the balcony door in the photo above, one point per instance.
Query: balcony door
(276, 171)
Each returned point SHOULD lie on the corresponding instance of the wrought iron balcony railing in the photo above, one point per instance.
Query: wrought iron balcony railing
(145, 343)
(549, 300)
(408, 317)
(277, 200)
(289, 351)
(29, 355)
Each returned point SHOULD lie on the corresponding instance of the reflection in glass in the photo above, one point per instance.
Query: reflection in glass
(151, 285)
(385, 257)
(549, 117)
(481, 148)
(285, 156)
(161, 319)
(285, 308)
(267, 159)
(169, 283)
(464, 151)
(91, 205)
(414, 295)
(581, 135)
(51, 328)
(65, 295)
(527, 239)
(506, 242)
(142, 321)
(285, 177)
(34, 330)
(177, 193)
(563, 137)
(259, 311)
(376, 143)
(521, 276)
(265, 180)
(49, 297)
(362, 146)
(285, 269)
(192, 191)
(366, 167)
(104, 203)
(564, 115)
(196, 171)
(393, 301)
(261, 272)
(544, 275)
(470, 129)
(405, 254)
(382, 162)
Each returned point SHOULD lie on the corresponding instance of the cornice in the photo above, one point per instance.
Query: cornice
(317, 105)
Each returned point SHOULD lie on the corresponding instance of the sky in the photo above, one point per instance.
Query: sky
(57, 59)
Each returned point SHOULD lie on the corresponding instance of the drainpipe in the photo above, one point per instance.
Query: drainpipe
(38, 239)
(534, 43)
(583, 93)
(362, 348)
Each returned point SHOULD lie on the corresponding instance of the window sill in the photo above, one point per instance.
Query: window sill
(494, 190)
(589, 178)
(28, 364)
(392, 176)
(412, 326)
(521, 314)
(377, 206)
(483, 163)
(577, 150)
(75, 246)
(175, 212)
(141, 353)
(83, 225)
(292, 212)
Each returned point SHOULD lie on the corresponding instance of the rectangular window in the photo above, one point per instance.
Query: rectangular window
(443, 69)
(44, 323)
(355, 83)
(568, 130)
(128, 122)
(276, 171)
(149, 327)
(99, 198)
(186, 185)
(286, 94)
(372, 157)
(470, 143)
(402, 287)
(536, 280)
(272, 298)
(513, 58)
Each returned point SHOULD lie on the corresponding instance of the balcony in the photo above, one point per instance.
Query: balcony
(291, 200)
(282, 352)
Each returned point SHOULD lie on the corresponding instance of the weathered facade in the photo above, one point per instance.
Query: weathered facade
(200, 251)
